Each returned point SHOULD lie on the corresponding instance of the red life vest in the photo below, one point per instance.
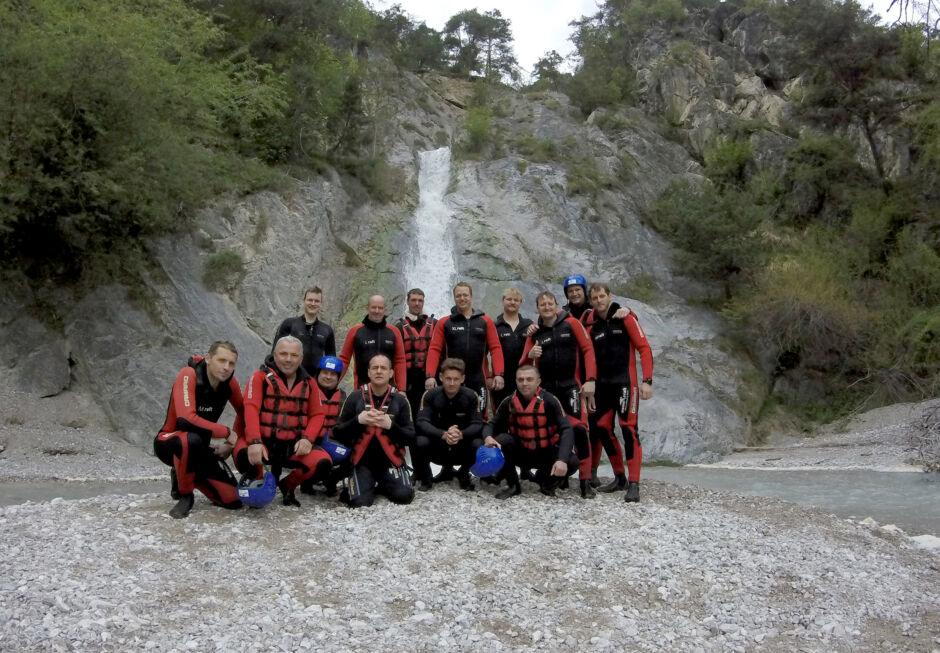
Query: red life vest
(332, 405)
(283, 412)
(394, 452)
(530, 423)
(416, 342)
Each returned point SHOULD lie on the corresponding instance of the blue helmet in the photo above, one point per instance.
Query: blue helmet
(489, 461)
(331, 363)
(257, 493)
(338, 452)
(575, 280)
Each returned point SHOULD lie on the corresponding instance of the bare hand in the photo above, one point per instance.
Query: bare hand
(255, 453)
(367, 417)
(646, 391)
(303, 447)
(532, 328)
(498, 383)
(488, 383)
(490, 441)
(384, 421)
(560, 468)
(223, 451)
(430, 383)
(621, 313)
(535, 352)
(451, 438)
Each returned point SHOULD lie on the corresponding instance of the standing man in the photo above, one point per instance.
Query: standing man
(616, 342)
(416, 329)
(575, 287)
(533, 432)
(376, 423)
(511, 328)
(467, 334)
(191, 441)
(316, 336)
(449, 428)
(370, 337)
(282, 422)
(557, 347)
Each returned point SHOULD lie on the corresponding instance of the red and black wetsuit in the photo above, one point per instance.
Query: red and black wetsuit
(577, 312)
(378, 455)
(191, 423)
(438, 413)
(469, 339)
(416, 338)
(277, 416)
(533, 434)
(365, 340)
(317, 338)
(564, 345)
(616, 343)
(512, 342)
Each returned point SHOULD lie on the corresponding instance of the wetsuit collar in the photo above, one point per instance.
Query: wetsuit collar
(270, 365)
(613, 308)
(456, 314)
(560, 317)
(373, 325)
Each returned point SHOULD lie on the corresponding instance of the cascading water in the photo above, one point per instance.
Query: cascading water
(432, 266)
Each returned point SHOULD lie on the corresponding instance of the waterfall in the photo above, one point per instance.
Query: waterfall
(432, 265)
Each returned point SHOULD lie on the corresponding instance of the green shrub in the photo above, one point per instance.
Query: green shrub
(535, 149)
(915, 269)
(478, 126)
(726, 162)
(224, 271)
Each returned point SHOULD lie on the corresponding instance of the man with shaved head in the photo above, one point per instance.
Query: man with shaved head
(370, 337)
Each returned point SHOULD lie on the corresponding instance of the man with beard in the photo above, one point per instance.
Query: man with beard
(416, 329)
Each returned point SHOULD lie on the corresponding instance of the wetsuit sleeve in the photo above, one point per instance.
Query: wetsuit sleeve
(524, 359)
(283, 330)
(496, 349)
(435, 348)
(500, 422)
(556, 415)
(347, 352)
(238, 403)
(347, 428)
(474, 428)
(638, 338)
(424, 426)
(329, 347)
(401, 371)
(316, 413)
(254, 394)
(184, 402)
(587, 349)
(402, 430)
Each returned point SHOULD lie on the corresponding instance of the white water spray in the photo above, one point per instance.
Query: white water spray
(432, 266)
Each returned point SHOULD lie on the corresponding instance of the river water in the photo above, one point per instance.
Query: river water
(432, 265)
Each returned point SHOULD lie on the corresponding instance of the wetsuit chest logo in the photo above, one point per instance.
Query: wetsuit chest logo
(458, 328)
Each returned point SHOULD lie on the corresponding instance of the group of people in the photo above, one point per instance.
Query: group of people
(546, 394)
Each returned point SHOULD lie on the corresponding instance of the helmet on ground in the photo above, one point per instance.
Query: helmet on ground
(575, 280)
(257, 493)
(489, 461)
(331, 363)
(338, 452)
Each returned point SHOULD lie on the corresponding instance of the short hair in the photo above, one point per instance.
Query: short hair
(453, 364)
(528, 368)
(289, 339)
(222, 344)
(316, 290)
(512, 292)
(414, 291)
(385, 356)
(598, 286)
(465, 285)
(542, 295)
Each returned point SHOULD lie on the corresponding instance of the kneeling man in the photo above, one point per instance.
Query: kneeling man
(449, 427)
(376, 423)
(533, 432)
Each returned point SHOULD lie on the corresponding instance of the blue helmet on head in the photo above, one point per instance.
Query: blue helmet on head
(331, 363)
(257, 493)
(489, 461)
(574, 280)
(338, 452)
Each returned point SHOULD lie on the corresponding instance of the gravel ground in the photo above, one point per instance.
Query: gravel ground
(686, 569)
(66, 437)
(876, 440)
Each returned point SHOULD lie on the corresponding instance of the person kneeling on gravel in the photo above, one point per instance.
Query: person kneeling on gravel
(376, 423)
(283, 423)
(449, 427)
(533, 432)
(191, 441)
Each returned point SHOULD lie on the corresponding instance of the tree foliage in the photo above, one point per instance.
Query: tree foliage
(480, 44)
